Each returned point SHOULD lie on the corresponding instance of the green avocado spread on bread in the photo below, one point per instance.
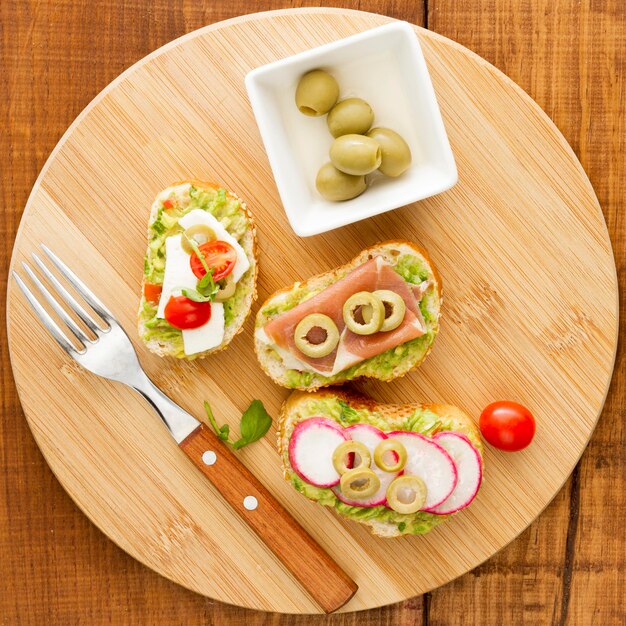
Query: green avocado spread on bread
(223, 207)
(414, 270)
(422, 421)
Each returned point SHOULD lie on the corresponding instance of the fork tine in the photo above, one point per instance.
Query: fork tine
(45, 318)
(68, 297)
(71, 324)
(88, 295)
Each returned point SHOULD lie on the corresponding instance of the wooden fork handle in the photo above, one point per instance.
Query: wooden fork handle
(314, 569)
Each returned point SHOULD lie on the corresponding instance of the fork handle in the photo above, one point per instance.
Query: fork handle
(314, 569)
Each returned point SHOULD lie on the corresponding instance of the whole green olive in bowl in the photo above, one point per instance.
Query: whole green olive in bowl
(396, 154)
(336, 186)
(316, 93)
(350, 116)
(355, 154)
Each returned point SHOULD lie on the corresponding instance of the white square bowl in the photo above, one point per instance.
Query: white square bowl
(384, 66)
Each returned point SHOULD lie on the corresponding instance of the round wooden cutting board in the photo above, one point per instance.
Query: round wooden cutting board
(530, 311)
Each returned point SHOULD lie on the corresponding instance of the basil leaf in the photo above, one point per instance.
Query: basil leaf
(348, 414)
(255, 422)
(196, 296)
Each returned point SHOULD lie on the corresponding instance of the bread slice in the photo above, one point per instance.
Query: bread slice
(167, 347)
(431, 418)
(392, 252)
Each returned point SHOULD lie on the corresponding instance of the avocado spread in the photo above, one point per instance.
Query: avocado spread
(421, 421)
(413, 270)
(178, 203)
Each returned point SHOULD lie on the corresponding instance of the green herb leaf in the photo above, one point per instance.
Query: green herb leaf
(348, 414)
(255, 422)
(194, 295)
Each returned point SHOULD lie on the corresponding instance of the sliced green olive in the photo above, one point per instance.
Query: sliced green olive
(316, 93)
(337, 186)
(355, 154)
(364, 313)
(350, 116)
(316, 335)
(341, 456)
(395, 309)
(390, 455)
(227, 289)
(406, 494)
(359, 483)
(396, 154)
(200, 233)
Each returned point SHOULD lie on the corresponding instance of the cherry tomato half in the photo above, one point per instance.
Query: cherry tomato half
(152, 292)
(219, 255)
(507, 425)
(185, 314)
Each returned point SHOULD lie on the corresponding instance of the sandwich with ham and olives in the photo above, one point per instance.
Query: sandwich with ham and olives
(398, 468)
(376, 316)
(200, 270)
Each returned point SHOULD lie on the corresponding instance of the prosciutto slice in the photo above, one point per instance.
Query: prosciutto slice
(352, 348)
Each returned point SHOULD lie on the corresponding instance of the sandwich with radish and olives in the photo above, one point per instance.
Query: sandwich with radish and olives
(399, 468)
(199, 278)
(376, 316)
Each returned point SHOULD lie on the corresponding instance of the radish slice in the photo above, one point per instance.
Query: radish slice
(311, 448)
(370, 437)
(431, 463)
(469, 467)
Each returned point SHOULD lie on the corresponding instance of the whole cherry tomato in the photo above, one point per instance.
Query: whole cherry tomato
(507, 425)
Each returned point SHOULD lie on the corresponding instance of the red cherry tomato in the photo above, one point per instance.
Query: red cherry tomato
(219, 255)
(152, 292)
(507, 425)
(185, 314)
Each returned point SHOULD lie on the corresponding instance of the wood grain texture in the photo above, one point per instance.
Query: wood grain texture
(328, 585)
(96, 582)
(530, 247)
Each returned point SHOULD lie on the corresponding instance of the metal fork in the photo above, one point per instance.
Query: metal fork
(110, 354)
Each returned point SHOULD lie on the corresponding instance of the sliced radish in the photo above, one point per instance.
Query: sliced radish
(469, 467)
(431, 463)
(311, 448)
(370, 437)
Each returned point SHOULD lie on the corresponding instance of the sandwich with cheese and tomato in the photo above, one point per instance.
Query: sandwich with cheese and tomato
(199, 278)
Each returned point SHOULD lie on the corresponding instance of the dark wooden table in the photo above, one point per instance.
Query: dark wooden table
(567, 568)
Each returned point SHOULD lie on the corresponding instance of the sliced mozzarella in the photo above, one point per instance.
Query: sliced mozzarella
(344, 358)
(177, 272)
(208, 336)
(198, 216)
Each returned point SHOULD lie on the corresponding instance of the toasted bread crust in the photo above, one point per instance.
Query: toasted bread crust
(245, 312)
(363, 256)
(393, 413)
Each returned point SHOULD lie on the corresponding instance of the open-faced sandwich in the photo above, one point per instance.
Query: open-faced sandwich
(199, 270)
(399, 468)
(376, 316)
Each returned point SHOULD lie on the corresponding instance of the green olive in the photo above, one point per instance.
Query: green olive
(364, 313)
(359, 483)
(390, 455)
(406, 494)
(227, 290)
(395, 309)
(316, 93)
(349, 116)
(355, 154)
(316, 335)
(396, 154)
(362, 457)
(337, 186)
(200, 233)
